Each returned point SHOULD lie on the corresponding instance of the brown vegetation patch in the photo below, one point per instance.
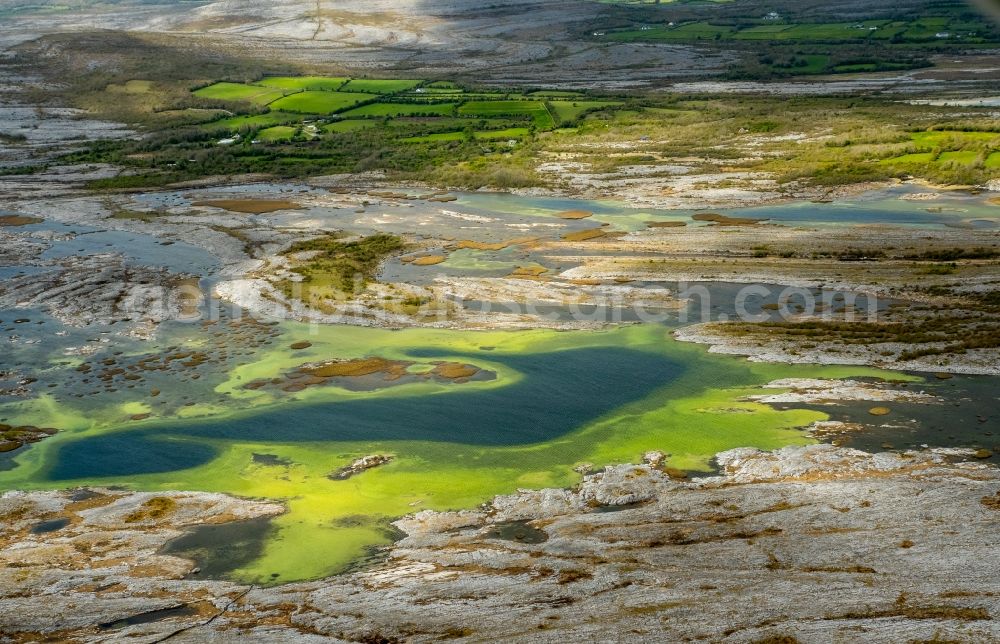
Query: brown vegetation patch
(344, 371)
(529, 272)
(454, 370)
(477, 245)
(570, 576)
(358, 367)
(665, 224)
(859, 570)
(575, 214)
(251, 206)
(18, 220)
(963, 613)
(725, 220)
(89, 501)
(155, 508)
(992, 502)
(584, 235)
(12, 438)
(429, 260)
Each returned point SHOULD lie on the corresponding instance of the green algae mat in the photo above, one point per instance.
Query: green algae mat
(543, 403)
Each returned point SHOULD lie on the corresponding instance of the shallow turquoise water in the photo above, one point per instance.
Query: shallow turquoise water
(877, 207)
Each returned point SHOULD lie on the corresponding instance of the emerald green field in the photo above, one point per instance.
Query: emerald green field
(320, 83)
(240, 92)
(402, 109)
(924, 29)
(380, 86)
(792, 40)
(310, 102)
(349, 125)
(537, 110)
(286, 97)
(467, 135)
(950, 147)
(277, 133)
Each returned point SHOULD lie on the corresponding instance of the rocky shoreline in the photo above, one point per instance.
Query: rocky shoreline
(778, 350)
(805, 543)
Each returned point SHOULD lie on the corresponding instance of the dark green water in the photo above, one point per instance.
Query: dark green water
(559, 392)
(968, 416)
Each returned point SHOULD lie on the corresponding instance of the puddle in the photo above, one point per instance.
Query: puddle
(220, 549)
(518, 531)
(148, 618)
(49, 526)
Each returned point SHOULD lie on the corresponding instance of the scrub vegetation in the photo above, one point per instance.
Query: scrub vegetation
(336, 267)
(821, 141)
(225, 115)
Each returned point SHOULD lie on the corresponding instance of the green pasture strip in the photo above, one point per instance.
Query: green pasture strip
(320, 102)
(317, 83)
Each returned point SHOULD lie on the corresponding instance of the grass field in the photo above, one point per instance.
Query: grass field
(314, 129)
(815, 31)
(484, 135)
(440, 87)
(491, 109)
(554, 93)
(962, 157)
(959, 148)
(339, 127)
(942, 29)
(403, 109)
(132, 87)
(436, 138)
(278, 133)
(685, 32)
(498, 135)
(257, 120)
(918, 158)
(946, 137)
(319, 83)
(380, 86)
(320, 102)
(859, 68)
(572, 110)
(240, 92)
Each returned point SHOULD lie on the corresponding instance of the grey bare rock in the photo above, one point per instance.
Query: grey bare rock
(818, 543)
